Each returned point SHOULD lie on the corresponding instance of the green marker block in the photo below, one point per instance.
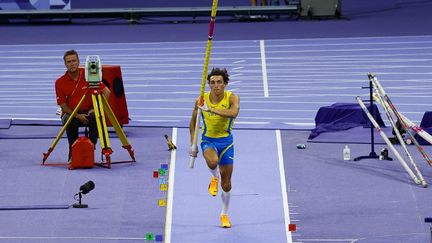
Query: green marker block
(150, 236)
(162, 172)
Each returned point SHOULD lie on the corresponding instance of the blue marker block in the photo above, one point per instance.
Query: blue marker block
(163, 181)
(164, 166)
(159, 238)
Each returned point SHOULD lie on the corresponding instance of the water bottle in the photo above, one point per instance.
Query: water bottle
(59, 111)
(301, 146)
(384, 154)
(346, 153)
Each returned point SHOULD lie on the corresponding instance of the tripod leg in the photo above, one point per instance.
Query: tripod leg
(65, 126)
(117, 128)
(102, 127)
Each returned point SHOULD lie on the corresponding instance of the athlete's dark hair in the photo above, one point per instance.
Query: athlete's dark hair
(221, 72)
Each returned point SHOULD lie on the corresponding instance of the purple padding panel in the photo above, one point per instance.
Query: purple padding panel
(426, 120)
(426, 124)
(342, 116)
(35, 207)
(5, 123)
(51, 132)
(21, 132)
(37, 122)
(357, 135)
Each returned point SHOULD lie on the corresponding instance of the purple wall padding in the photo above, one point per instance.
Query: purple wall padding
(5, 123)
(342, 116)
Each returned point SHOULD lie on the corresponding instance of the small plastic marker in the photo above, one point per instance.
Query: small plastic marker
(162, 172)
(292, 227)
(164, 166)
(159, 238)
(163, 187)
(155, 174)
(163, 181)
(162, 202)
(150, 236)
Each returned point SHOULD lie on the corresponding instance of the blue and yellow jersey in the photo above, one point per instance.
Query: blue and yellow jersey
(216, 126)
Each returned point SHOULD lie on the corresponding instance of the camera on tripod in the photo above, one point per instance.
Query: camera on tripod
(93, 71)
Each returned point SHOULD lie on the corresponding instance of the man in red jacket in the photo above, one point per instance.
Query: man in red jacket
(70, 88)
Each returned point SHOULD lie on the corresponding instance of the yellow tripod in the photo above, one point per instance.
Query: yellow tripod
(100, 106)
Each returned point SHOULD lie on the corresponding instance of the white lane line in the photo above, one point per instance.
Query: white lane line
(168, 222)
(328, 240)
(300, 124)
(350, 44)
(264, 68)
(349, 49)
(283, 186)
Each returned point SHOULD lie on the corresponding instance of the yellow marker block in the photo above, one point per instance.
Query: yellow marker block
(163, 187)
(162, 202)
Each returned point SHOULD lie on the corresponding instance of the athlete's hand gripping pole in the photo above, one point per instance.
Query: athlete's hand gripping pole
(203, 79)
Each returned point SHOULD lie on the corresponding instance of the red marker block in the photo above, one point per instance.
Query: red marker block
(155, 174)
(292, 227)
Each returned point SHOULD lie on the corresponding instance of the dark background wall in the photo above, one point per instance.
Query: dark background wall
(156, 3)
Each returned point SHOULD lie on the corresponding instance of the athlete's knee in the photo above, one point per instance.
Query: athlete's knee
(226, 186)
(212, 164)
(211, 158)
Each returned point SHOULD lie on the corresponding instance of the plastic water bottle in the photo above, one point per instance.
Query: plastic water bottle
(58, 111)
(301, 146)
(384, 154)
(346, 153)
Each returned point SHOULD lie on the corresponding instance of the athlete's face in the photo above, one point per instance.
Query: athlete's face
(71, 63)
(217, 84)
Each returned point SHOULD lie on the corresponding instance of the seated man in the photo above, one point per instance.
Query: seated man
(70, 88)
